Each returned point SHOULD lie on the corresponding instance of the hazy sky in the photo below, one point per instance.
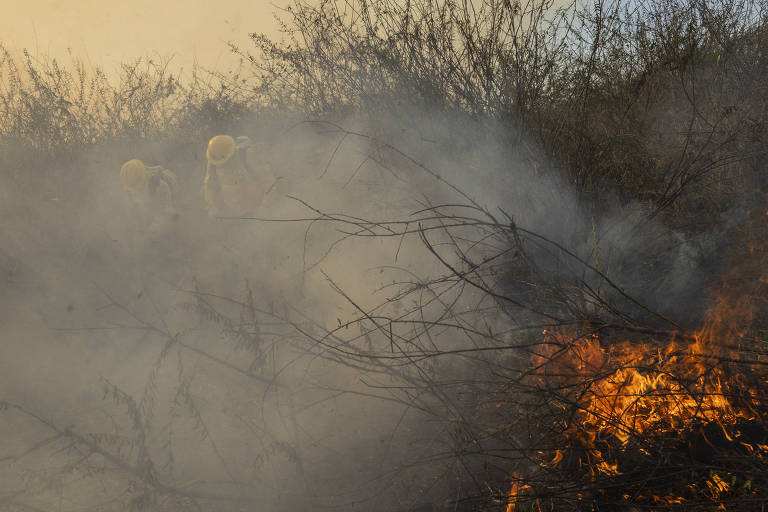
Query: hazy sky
(107, 32)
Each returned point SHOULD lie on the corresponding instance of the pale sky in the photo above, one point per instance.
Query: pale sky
(108, 32)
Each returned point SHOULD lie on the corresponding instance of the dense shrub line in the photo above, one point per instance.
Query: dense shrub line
(653, 97)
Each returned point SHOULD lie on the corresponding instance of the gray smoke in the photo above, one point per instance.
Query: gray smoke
(227, 351)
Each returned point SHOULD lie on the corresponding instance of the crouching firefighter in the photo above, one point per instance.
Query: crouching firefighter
(152, 191)
(232, 185)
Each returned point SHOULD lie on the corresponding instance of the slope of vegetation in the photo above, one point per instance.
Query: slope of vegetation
(582, 326)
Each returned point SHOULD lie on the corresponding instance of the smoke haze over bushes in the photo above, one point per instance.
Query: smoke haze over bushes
(452, 181)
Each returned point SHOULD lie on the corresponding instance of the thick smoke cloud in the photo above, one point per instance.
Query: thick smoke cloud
(218, 330)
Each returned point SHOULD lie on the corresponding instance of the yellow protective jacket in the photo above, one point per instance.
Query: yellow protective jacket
(236, 188)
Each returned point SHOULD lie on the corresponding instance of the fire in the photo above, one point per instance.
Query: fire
(636, 419)
(518, 489)
(681, 408)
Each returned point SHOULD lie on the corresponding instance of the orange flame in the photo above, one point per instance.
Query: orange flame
(628, 390)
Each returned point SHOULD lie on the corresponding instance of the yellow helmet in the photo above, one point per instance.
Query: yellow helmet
(133, 174)
(220, 149)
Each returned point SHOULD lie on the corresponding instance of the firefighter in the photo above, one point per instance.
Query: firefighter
(235, 183)
(152, 190)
